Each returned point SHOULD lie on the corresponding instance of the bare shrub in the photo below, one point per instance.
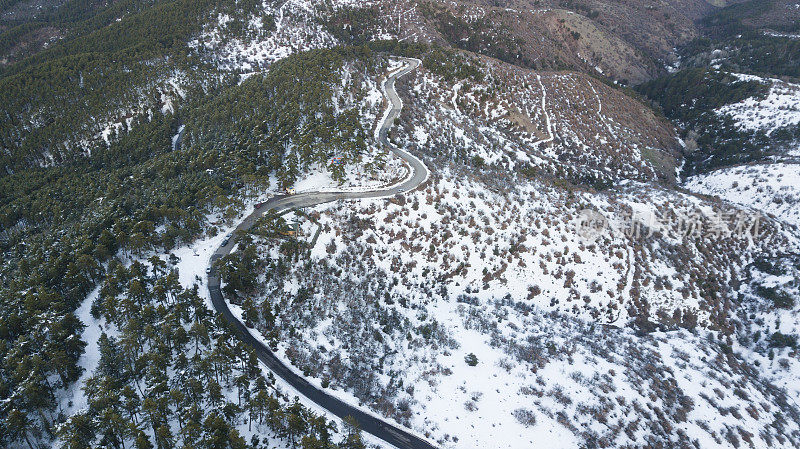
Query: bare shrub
(525, 417)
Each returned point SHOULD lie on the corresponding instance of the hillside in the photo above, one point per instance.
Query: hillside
(105, 220)
(490, 265)
(58, 48)
(733, 92)
(604, 253)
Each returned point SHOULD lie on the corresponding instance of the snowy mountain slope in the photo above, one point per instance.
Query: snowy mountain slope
(490, 259)
(404, 291)
(557, 122)
(480, 309)
(614, 39)
(242, 39)
(779, 109)
(772, 314)
(275, 32)
(770, 311)
(373, 168)
(490, 263)
(771, 188)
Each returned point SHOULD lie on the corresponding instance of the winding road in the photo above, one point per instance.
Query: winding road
(389, 433)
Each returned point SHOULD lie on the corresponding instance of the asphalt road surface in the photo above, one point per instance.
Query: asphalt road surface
(389, 433)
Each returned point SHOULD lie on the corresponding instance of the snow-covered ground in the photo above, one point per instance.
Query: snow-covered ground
(771, 188)
(779, 365)
(402, 291)
(318, 179)
(291, 34)
(74, 399)
(296, 28)
(456, 270)
(780, 108)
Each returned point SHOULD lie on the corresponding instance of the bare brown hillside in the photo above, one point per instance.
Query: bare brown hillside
(625, 40)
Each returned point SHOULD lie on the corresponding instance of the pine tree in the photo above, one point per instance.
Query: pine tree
(19, 427)
(77, 432)
(142, 441)
(352, 439)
